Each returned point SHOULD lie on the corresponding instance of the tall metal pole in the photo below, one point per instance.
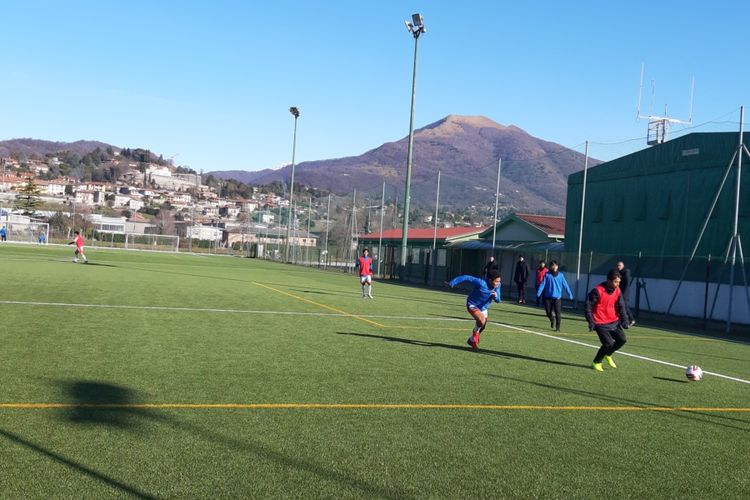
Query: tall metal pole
(328, 223)
(735, 225)
(437, 205)
(497, 200)
(380, 240)
(295, 113)
(352, 233)
(580, 229)
(405, 227)
(307, 243)
(192, 228)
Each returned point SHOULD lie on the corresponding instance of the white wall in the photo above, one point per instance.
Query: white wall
(689, 301)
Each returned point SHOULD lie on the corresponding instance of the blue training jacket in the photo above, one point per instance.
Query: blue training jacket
(552, 287)
(480, 296)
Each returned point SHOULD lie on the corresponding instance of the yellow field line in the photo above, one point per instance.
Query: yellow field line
(324, 306)
(352, 406)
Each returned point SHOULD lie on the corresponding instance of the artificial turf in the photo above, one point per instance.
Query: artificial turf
(529, 417)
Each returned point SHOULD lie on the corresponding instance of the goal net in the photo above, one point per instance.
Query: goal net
(27, 232)
(133, 241)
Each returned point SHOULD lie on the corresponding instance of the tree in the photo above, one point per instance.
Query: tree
(165, 221)
(27, 198)
(59, 222)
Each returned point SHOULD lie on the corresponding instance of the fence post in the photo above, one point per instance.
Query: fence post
(588, 274)
(705, 292)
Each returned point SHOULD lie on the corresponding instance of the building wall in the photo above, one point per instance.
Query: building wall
(655, 201)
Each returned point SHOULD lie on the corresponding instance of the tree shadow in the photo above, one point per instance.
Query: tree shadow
(483, 352)
(689, 415)
(97, 403)
(100, 403)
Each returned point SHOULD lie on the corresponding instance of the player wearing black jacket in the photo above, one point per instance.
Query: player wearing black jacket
(606, 313)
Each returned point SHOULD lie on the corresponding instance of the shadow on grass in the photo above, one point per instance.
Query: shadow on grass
(87, 471)
(320, 292)
(675, 380)
(89, 263)
(99, 403)
(711, 418)
(484, 352)
(110, 405)
(698, 355)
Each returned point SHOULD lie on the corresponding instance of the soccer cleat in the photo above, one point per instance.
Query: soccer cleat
(473, 341)
(597, 367)
(552, 323)
(371, 296)
(610, 361)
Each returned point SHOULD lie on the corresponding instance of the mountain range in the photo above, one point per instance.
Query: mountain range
(465, 149)
(38, 147)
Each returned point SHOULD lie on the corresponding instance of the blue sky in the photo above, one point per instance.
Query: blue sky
(212, 82)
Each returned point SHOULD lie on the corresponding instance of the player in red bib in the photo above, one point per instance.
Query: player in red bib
(78, 241)
(607, 314)
(364, 263)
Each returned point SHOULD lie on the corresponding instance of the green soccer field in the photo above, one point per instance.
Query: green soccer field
(169, 376)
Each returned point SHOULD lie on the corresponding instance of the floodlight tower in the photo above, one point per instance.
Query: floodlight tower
(416, 28)
(295, 112)
(658, 126)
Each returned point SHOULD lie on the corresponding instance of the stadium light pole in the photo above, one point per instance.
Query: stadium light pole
(416, 28)
(295, 112)
(580, 226)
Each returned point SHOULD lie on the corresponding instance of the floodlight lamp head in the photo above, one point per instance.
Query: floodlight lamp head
(416, 26)
(294, 111)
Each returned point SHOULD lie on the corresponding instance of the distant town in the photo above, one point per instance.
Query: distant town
(115, 195)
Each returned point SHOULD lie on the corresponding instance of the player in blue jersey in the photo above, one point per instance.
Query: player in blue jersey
(550, 289)
(483, 293)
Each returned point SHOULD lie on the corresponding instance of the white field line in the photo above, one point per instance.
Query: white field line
(644, 358)
(291, 313)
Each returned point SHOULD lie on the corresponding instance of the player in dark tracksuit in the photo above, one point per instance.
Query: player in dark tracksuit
(550, 289)
(606, 313)
(625, 281)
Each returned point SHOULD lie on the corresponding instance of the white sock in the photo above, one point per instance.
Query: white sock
(369, 290)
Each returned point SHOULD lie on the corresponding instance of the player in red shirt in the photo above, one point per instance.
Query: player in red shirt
(364, 263)
(78, 241)
(540, 272)
(607, 314)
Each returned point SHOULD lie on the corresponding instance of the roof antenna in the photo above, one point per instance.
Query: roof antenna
(658, 126)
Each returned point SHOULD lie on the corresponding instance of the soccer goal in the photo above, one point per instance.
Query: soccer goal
(133, 241)
(27, 232)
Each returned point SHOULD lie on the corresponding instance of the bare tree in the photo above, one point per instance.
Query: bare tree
(165, 222)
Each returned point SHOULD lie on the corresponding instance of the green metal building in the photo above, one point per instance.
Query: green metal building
(647, 209)
(654, 202)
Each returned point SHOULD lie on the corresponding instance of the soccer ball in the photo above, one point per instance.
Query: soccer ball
(694, 373)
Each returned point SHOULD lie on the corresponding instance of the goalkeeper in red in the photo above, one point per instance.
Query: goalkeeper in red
(78, 241)
(364, 263)
(607, 314)
(483, 293)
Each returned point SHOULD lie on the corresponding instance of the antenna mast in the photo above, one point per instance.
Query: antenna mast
(658, 126)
